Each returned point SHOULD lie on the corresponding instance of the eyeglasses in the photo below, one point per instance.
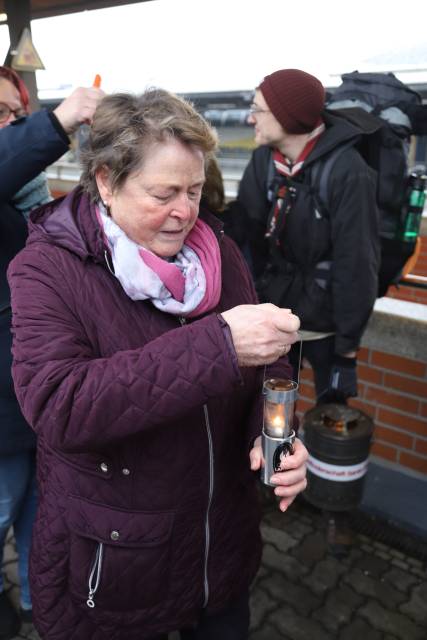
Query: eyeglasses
(254, 110)
(6, 111)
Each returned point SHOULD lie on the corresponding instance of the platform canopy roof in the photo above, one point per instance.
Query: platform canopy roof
(48, 8)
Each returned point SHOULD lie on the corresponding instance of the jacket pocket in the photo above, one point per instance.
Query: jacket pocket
(119, 560)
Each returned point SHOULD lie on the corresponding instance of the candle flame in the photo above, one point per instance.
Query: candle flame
(278, 421)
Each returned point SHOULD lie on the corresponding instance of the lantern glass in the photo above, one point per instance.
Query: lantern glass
(279, 407)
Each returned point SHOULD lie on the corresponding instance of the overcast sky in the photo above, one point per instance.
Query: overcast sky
(212, 45)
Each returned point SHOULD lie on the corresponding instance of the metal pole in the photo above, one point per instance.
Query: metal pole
(19, 17)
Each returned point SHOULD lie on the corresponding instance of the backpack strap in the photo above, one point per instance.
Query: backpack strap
(319, 181)
(319, 177)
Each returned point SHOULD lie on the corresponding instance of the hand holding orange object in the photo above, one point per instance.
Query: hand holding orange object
(97, 81)
(79, 107)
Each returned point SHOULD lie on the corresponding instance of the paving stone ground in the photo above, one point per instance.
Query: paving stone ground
(303, 592)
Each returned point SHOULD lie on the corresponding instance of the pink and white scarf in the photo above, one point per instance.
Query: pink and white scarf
(188, 285)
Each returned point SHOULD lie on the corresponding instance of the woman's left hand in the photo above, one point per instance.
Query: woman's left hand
(291, 480)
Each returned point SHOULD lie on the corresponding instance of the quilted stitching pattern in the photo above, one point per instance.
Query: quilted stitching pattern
(111, 385)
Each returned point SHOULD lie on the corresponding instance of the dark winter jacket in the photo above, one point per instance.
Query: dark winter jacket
(144, 429)
(27, 146)
(325, 267)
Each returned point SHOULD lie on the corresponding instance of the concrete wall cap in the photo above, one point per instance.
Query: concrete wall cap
(399, 328)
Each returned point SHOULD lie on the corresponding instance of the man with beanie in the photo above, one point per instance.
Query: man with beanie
(321, 260)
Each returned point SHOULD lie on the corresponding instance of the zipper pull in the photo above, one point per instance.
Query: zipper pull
(97, 566)
(90, 602)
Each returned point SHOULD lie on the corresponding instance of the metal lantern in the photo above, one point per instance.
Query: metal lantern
(278, 435)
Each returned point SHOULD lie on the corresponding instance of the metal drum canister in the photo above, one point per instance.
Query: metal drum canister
(338, 440)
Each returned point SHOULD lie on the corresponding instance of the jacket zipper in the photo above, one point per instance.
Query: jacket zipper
(110, 267)
(211, 486)
(96, 569)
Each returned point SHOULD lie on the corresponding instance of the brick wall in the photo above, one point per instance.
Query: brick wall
(393, 391)
(420, 268)
(413, 294)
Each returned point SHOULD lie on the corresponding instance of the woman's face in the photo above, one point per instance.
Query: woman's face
(158, 205)
(9, 99)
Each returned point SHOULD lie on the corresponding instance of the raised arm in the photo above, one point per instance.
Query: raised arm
(29, 145)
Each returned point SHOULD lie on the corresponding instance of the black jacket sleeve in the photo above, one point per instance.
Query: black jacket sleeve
(355, 240)
(27, 147)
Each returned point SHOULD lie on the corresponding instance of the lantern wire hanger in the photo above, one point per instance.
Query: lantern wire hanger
(299, 357)
(299, 361)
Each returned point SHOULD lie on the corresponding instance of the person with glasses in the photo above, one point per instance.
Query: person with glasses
(321, 264)
(8, 114)
(15, 104)
(28, 143)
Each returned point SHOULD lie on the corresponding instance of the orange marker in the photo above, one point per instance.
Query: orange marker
(97, 81)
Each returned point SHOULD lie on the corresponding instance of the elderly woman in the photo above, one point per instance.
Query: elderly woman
(27, 146)
(138, 348)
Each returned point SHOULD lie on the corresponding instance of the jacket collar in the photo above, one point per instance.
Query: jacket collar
(71, 223)
(338, 131)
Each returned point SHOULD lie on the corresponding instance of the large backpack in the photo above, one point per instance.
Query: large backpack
(378, 104)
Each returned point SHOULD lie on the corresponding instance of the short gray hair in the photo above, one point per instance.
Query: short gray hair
(125, 125)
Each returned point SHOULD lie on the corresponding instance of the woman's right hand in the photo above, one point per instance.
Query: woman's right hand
(261, 333)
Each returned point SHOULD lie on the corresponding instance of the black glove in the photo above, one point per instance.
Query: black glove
(342, 381)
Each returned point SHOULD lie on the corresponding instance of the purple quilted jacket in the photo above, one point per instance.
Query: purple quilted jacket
(148, 509)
